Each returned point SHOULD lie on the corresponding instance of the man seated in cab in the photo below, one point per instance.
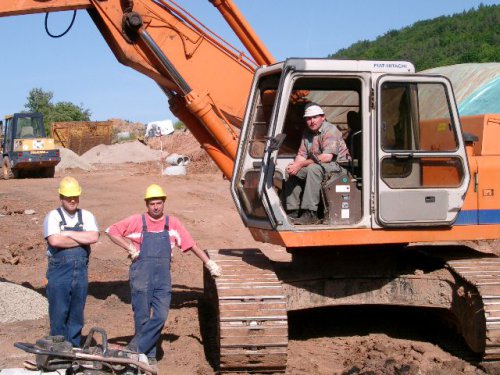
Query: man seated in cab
(321, 148)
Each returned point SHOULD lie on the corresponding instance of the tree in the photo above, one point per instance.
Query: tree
(179, 125)
(41, 101)
(471, 36)
(66, 111)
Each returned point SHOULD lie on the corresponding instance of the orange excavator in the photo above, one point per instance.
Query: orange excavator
(417, 181)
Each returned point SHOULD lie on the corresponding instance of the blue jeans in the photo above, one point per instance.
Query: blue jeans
(67, 287)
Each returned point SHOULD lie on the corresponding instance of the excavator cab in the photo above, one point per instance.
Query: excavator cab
(402, 132)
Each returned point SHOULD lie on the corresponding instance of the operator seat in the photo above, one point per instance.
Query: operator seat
(27, 132)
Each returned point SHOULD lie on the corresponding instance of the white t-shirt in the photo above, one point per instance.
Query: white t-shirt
(51, 224)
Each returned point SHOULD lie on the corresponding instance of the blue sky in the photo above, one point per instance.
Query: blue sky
(80, 68)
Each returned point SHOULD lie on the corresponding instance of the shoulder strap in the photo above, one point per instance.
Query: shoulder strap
(166, 223)
(63, 220)
(80, 217)
(144, 226)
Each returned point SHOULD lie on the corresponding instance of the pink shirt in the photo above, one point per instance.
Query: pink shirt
(131, 228)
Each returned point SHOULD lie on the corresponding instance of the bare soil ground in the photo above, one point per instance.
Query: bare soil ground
(340, 341)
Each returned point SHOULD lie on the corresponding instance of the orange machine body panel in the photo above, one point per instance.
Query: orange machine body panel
(482, 203)
(364, 236)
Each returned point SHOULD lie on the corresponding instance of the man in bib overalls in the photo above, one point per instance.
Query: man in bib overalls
(69, 232)
(149, 238)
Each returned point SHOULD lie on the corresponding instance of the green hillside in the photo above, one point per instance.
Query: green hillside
(472, 36)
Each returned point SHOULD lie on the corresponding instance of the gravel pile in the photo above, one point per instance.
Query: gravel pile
(70, 159)
(18, 303)
(128, 152)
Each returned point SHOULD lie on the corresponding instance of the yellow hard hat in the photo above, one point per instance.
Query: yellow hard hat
(69, 187)
(155, 191)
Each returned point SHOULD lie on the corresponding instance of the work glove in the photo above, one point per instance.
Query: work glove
(133, 253)
(213, 268)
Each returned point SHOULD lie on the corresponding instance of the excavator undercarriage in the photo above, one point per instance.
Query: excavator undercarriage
(254, 295)
(252, 330)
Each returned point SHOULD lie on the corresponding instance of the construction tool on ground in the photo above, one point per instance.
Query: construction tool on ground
(415, 177)
(53, 353)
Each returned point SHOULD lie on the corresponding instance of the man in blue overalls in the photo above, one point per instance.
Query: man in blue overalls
(149, 238)
(69, 232)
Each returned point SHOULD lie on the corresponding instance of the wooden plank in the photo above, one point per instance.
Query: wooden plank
(246, 341)
(490, 291)
(492, 311)
(256, 287)
(251, 306)
(243, 278)
(253, 320)
(238, 272)
(254, 263)
(262, 293)
(264, 360)
(249, 283)
(252, 315)
(493, 338)
(251, 325)
(247, 332)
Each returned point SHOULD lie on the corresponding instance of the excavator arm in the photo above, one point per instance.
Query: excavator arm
(206, 79)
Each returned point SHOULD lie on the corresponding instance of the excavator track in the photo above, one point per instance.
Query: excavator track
(483, 275)
(251, 309)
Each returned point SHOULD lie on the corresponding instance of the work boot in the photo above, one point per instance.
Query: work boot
(293, 215)
(308, 217)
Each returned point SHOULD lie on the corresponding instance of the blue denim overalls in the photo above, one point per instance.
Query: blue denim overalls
(151, 288)
(67, 286)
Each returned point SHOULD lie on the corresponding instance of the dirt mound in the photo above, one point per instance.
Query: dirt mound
(127, 152)
(184, 143)
(181, 142)
(70, 159)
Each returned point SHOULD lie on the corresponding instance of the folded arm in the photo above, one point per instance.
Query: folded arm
(72, 238)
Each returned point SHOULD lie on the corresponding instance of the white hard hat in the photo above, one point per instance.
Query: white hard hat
(312, 109)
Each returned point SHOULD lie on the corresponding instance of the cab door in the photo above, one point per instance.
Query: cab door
(421, 166)
(254, 156)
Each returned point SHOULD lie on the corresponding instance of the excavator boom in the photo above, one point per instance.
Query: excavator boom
(163, 41)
